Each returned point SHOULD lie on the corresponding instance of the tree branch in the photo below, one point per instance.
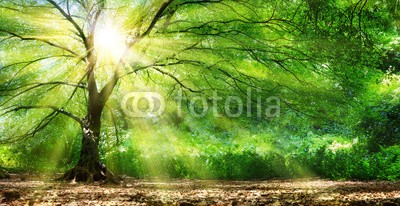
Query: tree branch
(108, 88)
(56, 109)
(157, 17)
(37, 85)
(40, 40)
(72, 21)
(176, 80)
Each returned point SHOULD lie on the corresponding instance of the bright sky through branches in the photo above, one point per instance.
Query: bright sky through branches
(110, 43)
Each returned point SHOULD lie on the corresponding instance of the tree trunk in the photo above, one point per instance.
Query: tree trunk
(89, 168)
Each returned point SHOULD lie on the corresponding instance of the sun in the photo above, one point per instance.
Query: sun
(110, 42)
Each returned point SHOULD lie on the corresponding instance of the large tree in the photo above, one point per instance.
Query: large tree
(64, 58)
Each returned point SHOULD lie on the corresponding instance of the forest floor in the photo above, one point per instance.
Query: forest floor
(39, 190)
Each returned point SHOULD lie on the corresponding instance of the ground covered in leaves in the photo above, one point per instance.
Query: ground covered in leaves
(36, 190)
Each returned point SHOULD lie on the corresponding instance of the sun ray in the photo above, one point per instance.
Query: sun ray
(110, 42)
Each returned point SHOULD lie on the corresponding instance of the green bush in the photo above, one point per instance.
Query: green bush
(348, 162)
(247, 164)
(388, 163)
(381, 123)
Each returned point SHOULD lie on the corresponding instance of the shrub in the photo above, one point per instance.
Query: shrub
(381, 123)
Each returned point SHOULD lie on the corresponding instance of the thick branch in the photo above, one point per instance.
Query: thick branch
(108, 88)
(157, 17)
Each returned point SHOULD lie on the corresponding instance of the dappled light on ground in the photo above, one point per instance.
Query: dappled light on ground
(199, 192)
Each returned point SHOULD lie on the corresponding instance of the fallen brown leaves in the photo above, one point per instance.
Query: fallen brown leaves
(32, 191)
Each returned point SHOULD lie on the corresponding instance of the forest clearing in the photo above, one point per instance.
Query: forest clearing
(37, 191)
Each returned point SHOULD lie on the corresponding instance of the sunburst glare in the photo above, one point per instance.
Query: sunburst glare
(110, 42)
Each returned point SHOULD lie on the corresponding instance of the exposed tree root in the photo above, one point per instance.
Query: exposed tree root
(90, 173)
